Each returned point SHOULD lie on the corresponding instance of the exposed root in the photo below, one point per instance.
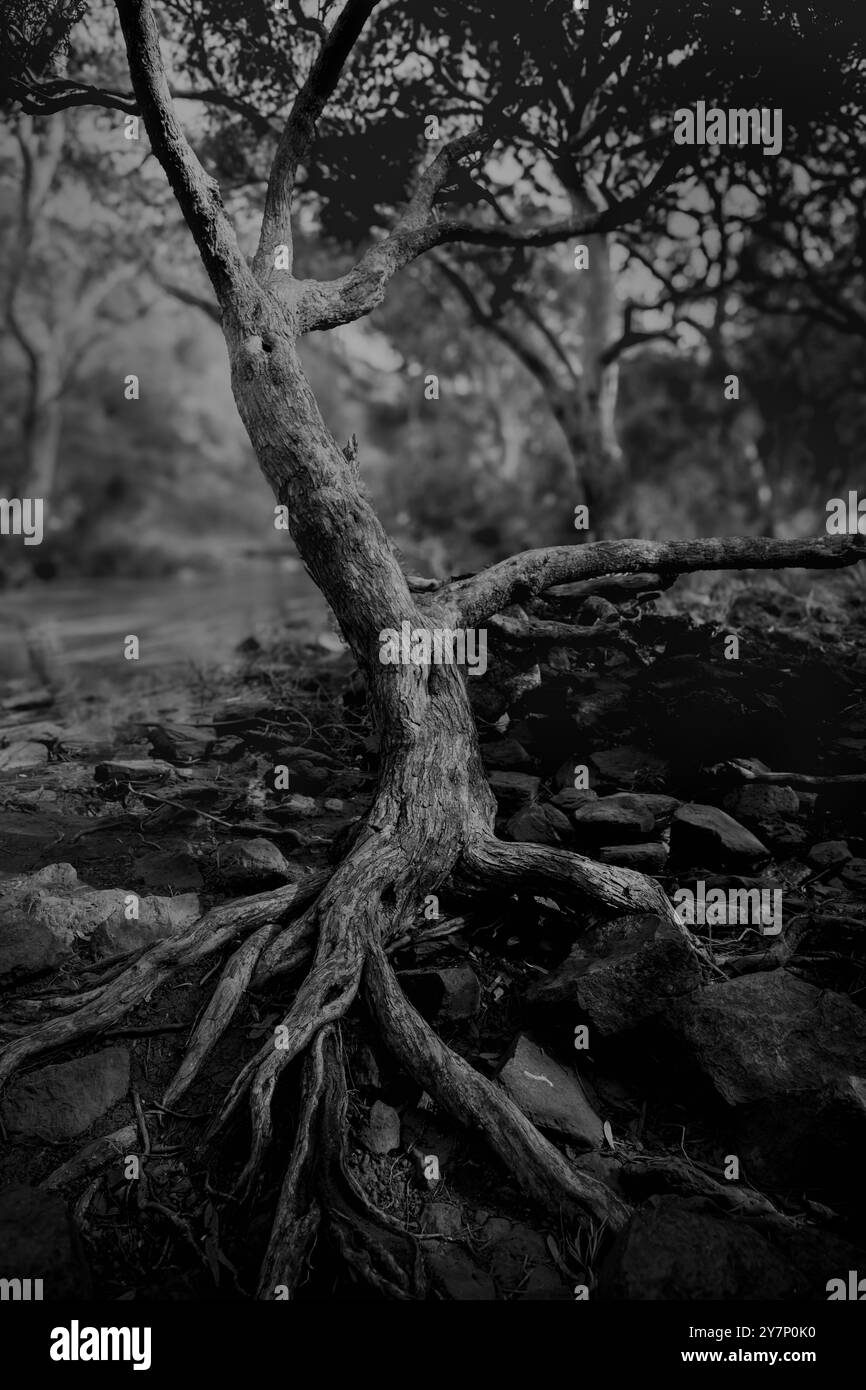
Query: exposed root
(297, 1217)
(493, 863)
(472, 1100)
(101, 1008)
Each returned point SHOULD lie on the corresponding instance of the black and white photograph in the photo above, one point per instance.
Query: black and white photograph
(432, 670)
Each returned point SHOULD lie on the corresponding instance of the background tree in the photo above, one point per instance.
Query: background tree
(431, 820)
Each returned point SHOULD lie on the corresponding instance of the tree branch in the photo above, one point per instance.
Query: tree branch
(44, 98)
(300, 128)
(326, 304)
(196, 192)
(531, 572)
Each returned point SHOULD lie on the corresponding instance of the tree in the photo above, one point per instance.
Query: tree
(432, 815)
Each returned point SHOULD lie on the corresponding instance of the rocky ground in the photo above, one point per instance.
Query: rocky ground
(714, 1075)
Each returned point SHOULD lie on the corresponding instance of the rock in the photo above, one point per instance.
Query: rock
(707, 836)
(649, 858)
(854, 875)
(514, 790)
(812, 1139)
(540, 825)
(227, 749)
(545, 1285)
(62, 1101)
(382, 1135)
(762, 802)
(306, 776)
(505, 755)
(513, 1250)
(769, 1035)
(563, 779)
(51, 905)
(21, 755)
(623, 972)
(783, 837)
(457, 1275)
(609, 821)
(39, 1241)
(626, 764)
(447, 994)
(550, 1096)
(828, 853)
(569, 799)
(251, 864)
(27, 947)
(179, 743)
(126, 771)
(443, 1219)
(682, 1248)
(158, 918)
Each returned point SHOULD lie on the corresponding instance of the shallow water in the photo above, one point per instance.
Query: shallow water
(185, 622)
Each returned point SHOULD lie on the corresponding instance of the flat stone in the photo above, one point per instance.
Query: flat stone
(38, 1240)
(770, 1035)
(623, 972)
(648, 858)
(762, 802)
(828, 853)
(626, 763)
(59, 1102)
(707, 836)
(610, 820)
(540, 825)
(514, 790)
(548, 1094)
(570, 798)
(505, 755)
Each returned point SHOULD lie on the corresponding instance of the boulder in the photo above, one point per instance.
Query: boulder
(62, 1101)
(623, 972)
(770, 1035)
(683, 1248)
(38, 1240)
(710, 837)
